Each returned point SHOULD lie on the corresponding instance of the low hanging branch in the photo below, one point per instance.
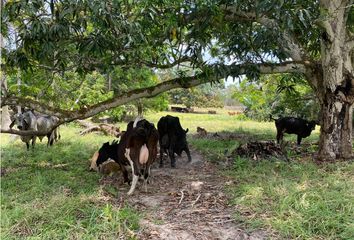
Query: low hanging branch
(107, 129)
(181, 82)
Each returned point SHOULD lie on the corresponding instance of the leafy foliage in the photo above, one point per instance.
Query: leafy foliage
(202, 96)
(280, 95)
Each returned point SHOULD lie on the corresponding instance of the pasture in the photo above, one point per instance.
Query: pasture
(49, 192)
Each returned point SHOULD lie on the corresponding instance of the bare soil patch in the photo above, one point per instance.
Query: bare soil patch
(187, 202)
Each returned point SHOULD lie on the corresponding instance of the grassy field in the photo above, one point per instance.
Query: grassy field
(296, 200)
(49, 192)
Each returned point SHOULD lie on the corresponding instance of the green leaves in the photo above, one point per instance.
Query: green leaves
(286, 94)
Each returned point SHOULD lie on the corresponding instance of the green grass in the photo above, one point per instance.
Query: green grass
(48, 193)
(296, 200)
(221, 122)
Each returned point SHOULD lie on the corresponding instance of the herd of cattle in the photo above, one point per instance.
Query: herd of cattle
(138, 146)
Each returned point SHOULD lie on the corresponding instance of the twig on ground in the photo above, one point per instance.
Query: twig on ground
(181, 197)
(196, 200)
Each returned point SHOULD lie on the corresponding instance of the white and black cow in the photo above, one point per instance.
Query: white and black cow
(41, 123)
(137, 148)
(172, 138)
(139, 144)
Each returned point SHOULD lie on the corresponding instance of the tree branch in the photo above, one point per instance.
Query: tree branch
(168, 65)
(25, 133)
(335, 11)
(288, 42)
(184, 82)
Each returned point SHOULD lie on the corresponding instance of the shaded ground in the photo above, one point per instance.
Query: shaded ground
(187, 203)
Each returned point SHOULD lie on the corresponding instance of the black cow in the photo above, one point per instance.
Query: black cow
(302, 128)
(172, 139)
(106, 152)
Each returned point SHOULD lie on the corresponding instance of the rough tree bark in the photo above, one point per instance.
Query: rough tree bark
(332, 78)
(336, 88)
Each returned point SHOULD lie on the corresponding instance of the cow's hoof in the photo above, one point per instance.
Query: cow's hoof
(173, 165)
(161, 166)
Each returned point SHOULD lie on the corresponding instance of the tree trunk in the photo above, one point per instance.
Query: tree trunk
(5, 115)
(336, 85)
(336, 130)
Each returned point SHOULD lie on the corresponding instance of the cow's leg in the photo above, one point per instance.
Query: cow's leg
(299, 138)
(50, 137)
(161, 157)
(27, 144)
(280, 135)
(146, 177)
(172, 157)
(135, 176)
(48, 142)
(34, 141)
(149, 172)
(125, 174)
(188, 154)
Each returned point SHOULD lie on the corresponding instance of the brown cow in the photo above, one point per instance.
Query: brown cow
(139, 147)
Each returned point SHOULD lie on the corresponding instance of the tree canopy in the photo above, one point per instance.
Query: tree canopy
(211, 39)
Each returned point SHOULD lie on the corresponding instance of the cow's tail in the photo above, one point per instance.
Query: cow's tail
(137, 119)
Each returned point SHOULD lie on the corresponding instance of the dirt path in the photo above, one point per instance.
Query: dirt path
(187, 203)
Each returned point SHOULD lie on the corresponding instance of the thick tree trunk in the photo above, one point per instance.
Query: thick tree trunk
(336, 85)
(336, 130)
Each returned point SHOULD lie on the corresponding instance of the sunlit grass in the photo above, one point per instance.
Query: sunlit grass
(223, 122)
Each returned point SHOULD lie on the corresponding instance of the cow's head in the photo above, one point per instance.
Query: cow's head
(311, 125)
(22, 121)
(181, 144)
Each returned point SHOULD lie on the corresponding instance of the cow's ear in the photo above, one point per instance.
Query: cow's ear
(106, 144)
(186, 130)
